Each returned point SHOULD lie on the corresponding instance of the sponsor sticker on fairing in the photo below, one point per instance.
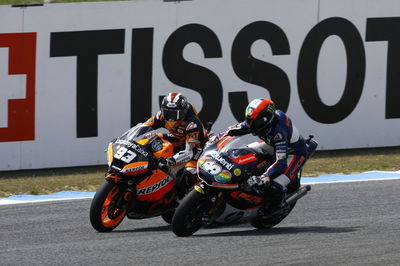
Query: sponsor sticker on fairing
(210, 166)
(216, 155)
(134, 169)
(223, 177)
(155, 187)
(133, 146)
(237, 172)
(157, 145)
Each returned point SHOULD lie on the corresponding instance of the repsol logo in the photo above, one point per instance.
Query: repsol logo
(87, 46)
(135, 169)
(157, 186)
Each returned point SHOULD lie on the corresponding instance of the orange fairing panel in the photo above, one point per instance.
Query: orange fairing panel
(191, 163)
(135, 168)
(166, 152)
(143, 141)
(155, 187)
(149, 122)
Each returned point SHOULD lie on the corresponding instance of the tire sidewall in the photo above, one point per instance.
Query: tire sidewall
(191, 201)
(97, 205)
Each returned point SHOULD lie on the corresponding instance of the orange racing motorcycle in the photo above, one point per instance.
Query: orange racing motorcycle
(134, 185)
(225, 197)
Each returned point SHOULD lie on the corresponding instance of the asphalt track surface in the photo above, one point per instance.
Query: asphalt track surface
(335, 224)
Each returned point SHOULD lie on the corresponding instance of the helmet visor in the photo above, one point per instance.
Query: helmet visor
(257, 125)
(172, 115)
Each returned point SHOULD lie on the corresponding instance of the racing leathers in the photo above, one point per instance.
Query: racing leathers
(290, 152)
(188, 137)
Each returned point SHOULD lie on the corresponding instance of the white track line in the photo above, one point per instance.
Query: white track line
(363, 177)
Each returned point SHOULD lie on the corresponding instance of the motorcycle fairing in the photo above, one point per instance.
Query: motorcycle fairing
(129, 158)
(235, 159)
(155, 186)
(110, 154)
(166, 151)
(244, 200)
(146, 209)
(235, 215)
(223, 167)
(135, 168)
(220, 185)
(221, 143)
(214, 173)
(245, 159)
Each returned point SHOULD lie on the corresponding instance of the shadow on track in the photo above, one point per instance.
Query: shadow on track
(285, 230)
(249, 232)
(146, 229)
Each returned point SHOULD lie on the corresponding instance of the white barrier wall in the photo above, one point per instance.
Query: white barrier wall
(74, 76)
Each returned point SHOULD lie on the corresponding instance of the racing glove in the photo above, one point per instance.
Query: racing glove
(263, 181)
(165, 163)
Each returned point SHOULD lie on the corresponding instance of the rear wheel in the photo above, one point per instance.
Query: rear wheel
(168, 215)
(267, 222)
(104, 213)
(188, 217)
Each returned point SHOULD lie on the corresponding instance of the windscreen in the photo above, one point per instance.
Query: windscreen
(135, 132)
(237, 142)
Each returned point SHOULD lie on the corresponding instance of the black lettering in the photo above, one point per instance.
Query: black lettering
(255, 71)
(189, 75)
(87, 46)
(387, 29)
(308, 65)
(141, 74)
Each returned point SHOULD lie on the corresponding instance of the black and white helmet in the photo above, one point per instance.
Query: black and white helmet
(174, 107)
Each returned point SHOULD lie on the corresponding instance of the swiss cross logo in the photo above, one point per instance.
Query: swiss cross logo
(17, 86)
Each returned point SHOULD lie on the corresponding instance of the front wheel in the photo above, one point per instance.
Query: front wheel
(104, 213)
(188, 217)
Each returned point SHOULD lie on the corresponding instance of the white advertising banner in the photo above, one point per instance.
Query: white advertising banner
(74, 76)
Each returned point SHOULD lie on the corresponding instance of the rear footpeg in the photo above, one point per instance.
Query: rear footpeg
(301, 192)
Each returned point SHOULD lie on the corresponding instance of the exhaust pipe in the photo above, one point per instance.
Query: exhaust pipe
(301, 192)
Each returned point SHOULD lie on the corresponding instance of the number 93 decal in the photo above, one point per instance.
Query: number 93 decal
(125, 155)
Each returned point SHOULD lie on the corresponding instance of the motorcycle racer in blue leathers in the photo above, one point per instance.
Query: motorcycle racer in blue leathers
(275, 129)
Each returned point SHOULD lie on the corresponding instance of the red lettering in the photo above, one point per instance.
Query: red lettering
(247, 197)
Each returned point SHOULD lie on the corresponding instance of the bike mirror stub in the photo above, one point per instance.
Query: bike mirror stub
(157, 145)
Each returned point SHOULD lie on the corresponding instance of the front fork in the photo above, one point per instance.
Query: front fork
(126, 189)
(216, 201)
